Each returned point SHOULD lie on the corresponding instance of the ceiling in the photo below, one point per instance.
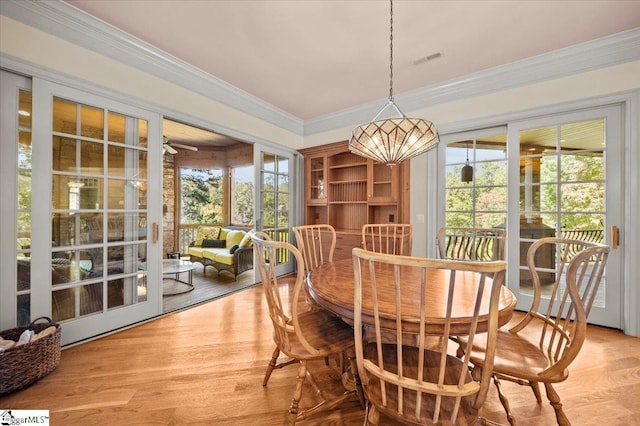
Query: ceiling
(315, 57)
(310, 58)
(180, 133)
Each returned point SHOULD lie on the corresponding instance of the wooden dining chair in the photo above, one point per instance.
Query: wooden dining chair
(274, 363)
(316, 243)
(463, 243)
(300, 333)
(423, 383)
(389, 238)
(541, 347)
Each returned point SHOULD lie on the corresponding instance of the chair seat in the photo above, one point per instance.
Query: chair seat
(516, 355)
(467, 414)
(549, 337)
(324, 331)
(301, 335)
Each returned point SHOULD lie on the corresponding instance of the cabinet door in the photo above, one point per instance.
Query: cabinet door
(316, 179)
(383, 184)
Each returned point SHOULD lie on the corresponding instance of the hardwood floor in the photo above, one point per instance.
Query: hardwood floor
(207, 285)
(205, 365)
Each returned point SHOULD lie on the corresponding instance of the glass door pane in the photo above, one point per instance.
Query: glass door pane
(561, 187)
(274, 201)
(15, 192)
(477, 198)
(568, 177)
(99, 210)
(94, 218)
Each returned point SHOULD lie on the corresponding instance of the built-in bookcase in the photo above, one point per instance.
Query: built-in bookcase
(347, 191)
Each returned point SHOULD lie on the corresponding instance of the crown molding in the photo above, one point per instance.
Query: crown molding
(67, 22)
(26, 68)
(70, 23)
(599, 53)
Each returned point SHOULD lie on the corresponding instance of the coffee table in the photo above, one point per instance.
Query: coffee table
(175, 267)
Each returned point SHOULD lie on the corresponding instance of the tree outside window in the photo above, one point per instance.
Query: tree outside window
(201, 196)
(562, 178)
(242, 190)
(481, 202)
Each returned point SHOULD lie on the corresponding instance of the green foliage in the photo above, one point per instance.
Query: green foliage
(467, 204)
(242, 193)
(581, 190)
(24, 190)
(482, 203)
(242, 213)
(275, 200)
(201, 193)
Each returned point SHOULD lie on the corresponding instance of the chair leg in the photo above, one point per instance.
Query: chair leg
(504, 401)
(536, 391)
(366, 415)
(273, 364)
(554, 399)
(297, 393)
(372, 416)
(324, 403)
(314, 384)
(351, 375)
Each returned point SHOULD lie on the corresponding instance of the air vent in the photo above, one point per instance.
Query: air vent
(427, 58)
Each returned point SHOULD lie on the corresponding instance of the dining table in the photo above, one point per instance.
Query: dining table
(331, 286)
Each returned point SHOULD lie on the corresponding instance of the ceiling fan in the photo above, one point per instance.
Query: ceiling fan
(170, 147)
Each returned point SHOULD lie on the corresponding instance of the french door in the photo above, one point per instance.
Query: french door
(565, 175)
(552, 176)
(274, 209)
(86, 185)
(15, 192)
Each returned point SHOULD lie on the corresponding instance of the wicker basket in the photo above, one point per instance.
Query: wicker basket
(23, 365)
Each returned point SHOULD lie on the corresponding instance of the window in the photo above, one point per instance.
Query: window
(24, 167)
(201, 196)
(242, 195)
(480, 202)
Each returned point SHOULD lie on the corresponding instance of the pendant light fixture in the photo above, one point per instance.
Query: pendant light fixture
(467, 170)
(393, 140)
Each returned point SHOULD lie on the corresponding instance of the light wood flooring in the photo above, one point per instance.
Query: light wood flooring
(207, 285)
(205, 365)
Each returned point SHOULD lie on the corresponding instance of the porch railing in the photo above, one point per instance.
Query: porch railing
(589, 235)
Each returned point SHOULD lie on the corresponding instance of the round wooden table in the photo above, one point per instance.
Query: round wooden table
(332, 286)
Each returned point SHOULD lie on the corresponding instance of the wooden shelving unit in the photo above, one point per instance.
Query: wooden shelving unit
(348, 191)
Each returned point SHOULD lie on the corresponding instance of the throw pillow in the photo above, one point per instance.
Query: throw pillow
(234, 237)
(206, 232)
(234, 248)
(246, 240)
(211, 243)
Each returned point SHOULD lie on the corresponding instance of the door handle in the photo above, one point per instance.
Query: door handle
(615, 237)
(154, 232)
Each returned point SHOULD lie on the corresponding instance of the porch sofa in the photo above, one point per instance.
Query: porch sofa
(224, 248)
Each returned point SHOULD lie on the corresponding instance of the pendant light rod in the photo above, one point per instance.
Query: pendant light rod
(391, 53)
(393, 140)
